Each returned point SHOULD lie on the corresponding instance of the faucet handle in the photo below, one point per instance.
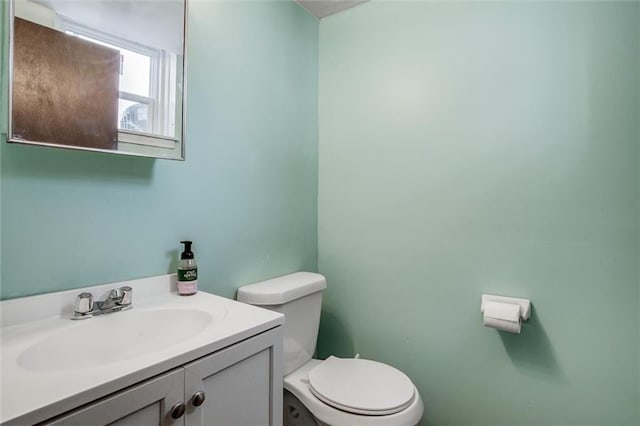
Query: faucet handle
(84, 303)
(126, 294)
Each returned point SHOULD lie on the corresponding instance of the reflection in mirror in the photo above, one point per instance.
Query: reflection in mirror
(101, 75)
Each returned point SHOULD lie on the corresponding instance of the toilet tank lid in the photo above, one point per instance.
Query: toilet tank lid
(286, 288)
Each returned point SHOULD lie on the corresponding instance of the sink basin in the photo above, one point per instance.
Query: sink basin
(50, 365)
(112, 338)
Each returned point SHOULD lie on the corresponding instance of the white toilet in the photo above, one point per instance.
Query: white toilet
(336, 391)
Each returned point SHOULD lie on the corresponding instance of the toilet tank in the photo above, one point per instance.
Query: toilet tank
(299, 297)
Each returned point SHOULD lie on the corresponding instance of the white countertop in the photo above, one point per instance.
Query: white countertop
(28, 396)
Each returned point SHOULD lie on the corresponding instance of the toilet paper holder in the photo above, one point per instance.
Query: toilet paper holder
(525, 304)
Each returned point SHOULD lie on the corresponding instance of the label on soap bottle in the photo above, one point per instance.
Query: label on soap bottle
(187, 281)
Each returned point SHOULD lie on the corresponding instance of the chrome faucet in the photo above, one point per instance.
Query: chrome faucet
(117, 300)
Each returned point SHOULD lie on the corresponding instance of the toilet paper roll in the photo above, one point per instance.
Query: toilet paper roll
(502, 311)
(502, 316)
(504, 325)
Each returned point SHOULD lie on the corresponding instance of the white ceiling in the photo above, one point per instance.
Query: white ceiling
(322, 8)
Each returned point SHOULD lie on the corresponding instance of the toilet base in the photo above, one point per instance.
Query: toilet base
(295, 413)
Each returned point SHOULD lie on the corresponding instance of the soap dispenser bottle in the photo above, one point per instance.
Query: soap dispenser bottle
(187, 271)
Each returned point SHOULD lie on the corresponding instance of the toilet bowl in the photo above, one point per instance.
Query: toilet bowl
(335, 391)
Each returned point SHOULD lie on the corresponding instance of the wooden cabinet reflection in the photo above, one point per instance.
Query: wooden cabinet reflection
(65, 90)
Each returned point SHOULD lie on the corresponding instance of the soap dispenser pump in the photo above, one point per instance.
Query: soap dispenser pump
(187, 271)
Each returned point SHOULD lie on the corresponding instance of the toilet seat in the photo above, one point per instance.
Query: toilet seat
(297, 382)
(361, 386)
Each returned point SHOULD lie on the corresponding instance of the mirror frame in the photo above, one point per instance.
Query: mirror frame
(9, 11)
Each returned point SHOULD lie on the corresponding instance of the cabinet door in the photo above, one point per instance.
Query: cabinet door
(242, 384)
(146, 404)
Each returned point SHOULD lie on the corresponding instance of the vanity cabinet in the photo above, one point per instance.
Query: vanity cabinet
(237, 385)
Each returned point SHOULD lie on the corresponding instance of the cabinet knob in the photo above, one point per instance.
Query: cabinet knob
(177, 410)
(198, 398)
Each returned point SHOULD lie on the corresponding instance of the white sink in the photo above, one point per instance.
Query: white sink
(50, 364)
(113, 338)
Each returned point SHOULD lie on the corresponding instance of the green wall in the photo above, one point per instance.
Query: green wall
(485, 147)
(464, 148)
(246, 194)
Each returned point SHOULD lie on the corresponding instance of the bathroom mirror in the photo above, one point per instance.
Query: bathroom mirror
(98, 75)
